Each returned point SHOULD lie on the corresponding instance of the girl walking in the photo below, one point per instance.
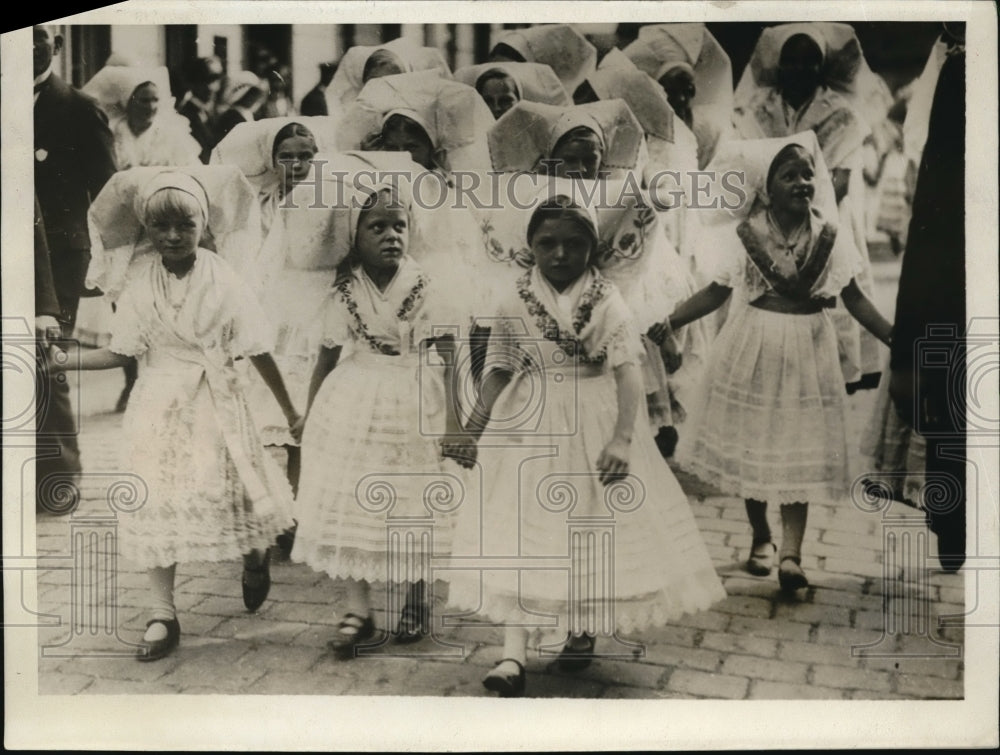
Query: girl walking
(585, 460)
(369, 451)
(768, 424)
(213, 494)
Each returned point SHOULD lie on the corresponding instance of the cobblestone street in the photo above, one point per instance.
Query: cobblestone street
(873, 624)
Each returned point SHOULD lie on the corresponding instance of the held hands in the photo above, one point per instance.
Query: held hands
(47, 329)
(613, 461)
(670, 351)
(296, 424)
(460, 447)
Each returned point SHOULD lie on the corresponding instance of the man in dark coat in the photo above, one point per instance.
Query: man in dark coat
(74, 157)
(314, 102)
(198, 104)
(927, 381)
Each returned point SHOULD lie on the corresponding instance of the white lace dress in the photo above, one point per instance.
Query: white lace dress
(375, 496)
(213, 493)
(768, 422)
(541, 540)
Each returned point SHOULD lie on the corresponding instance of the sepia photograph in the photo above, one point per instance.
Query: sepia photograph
(507, 376)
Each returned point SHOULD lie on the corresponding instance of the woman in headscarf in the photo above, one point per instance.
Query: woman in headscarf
(810, 76)
(147, 131)
(503, 85)
(559, 46)
(362, 63)
(140, 110)
(599, 143)
(696, 75)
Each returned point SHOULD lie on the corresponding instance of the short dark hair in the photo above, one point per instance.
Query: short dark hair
(502, 48)
(492, 75)
(785, 154)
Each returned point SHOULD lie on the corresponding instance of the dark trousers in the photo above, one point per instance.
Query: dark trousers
(57, 463)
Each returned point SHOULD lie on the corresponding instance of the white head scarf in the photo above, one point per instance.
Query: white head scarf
(752, 158)
(454, 115)
(250, 147)
(347, 80)
(536, 82)
(560, 46)
(526, 134)
(114, 85)
(845, 69)
(116, 217)
(618, 78)
(661, 47)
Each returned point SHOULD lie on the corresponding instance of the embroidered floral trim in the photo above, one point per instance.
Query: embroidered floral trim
(410, 303)
(568, 342)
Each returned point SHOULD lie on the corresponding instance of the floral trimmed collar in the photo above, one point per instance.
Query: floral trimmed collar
(570, 341)
(412, 302)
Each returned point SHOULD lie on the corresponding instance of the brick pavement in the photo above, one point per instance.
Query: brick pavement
(755, 644)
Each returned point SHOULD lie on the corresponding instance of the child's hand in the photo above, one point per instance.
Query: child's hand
(613, 461)
(296, 424)
(459, 447)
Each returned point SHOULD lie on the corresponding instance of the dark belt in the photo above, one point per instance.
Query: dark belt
(772, 302)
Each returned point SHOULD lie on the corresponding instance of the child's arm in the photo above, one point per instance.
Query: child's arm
(613, 461)
(78, 359)
(863, 310)
(325, 364)
(454, 443)
(696, 306)
(272, 376)
(489, 391)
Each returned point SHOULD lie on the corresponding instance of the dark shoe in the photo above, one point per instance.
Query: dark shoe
(257, 583)
(761, 559)
(413, 623)
(351, 632)
(666, 441)
(576, 659)
(506, 686)
(790, 575)
(286, 541)
(153, 651)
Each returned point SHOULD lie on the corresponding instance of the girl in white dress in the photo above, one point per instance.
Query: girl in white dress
(768, 423)
(275, 154)
(370, 456)
(571, 466)
(213, 493)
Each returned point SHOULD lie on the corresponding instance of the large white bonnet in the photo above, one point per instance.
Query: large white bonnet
(250, 146)
(845, 69)
(536, 82)
(751, 159)
(113, 86)
(526, 134)
(453, 114)
(560, 46)
(660, 46)
(347, 80)
(116, 221)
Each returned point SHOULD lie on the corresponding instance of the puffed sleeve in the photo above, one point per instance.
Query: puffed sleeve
(251, 333)
(722, 255)
(335, 328)
(129, 333)
(624, 345)
(845, 263)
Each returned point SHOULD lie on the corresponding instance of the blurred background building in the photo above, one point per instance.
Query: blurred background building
(895, 50)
